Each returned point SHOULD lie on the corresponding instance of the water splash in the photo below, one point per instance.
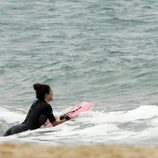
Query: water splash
(119, 127)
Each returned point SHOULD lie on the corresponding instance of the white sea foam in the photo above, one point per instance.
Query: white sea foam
(10, 116)
(92, 127)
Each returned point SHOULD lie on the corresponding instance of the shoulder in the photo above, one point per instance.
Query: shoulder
(48, 108)
(46, 105)
(40, 104)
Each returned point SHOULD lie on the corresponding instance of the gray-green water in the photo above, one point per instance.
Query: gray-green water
(101, 51)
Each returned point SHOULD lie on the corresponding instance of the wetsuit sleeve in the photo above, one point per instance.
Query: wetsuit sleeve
(50, 115)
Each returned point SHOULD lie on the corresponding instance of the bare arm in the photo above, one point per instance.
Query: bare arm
(58, 121)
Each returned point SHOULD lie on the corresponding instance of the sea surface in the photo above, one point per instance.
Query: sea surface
(103, 51)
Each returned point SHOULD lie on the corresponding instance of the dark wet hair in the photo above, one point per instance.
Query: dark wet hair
(41, 90)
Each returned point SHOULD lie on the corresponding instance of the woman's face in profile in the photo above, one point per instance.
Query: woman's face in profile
(51, 95)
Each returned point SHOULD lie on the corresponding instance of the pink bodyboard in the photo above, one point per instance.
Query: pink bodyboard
(75, 111)
(82, 107)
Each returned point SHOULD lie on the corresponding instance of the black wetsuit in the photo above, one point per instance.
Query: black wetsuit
(39, 112)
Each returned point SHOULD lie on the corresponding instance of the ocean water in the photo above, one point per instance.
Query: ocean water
(101, 51)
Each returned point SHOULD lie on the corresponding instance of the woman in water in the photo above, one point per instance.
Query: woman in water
(39, 112)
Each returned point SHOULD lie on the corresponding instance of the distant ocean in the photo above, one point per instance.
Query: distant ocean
(101, 51)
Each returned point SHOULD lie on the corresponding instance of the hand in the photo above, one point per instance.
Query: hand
(65, 116)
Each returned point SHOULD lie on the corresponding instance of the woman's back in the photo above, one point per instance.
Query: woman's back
(37, 109)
